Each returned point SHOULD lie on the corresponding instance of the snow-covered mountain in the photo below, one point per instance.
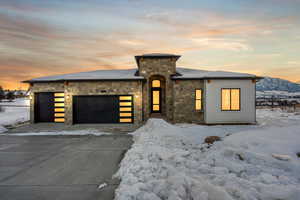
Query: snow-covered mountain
(269, 83)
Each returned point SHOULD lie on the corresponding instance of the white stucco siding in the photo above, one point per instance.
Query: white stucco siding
(213, 112)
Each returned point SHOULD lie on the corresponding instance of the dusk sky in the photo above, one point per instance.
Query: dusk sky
(49, 37)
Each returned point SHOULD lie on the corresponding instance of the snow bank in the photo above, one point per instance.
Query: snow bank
(16, 102)
(2, 129)
(171, 162)
(13, 114)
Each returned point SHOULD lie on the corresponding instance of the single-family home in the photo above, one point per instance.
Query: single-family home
(157, 88)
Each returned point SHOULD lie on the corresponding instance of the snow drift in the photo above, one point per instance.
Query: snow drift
(172, 162)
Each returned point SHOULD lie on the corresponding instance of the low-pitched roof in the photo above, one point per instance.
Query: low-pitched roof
(127, 74)
(131, 74)
(186, 73)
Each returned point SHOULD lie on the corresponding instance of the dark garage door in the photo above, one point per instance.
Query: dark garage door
(44, 107)
(96, 109)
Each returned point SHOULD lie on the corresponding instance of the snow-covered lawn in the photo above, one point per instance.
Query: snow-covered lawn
(171, 162)
(16, 112)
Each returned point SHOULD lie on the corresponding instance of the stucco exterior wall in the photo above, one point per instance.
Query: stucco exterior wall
(184, 101)
(213, 113)
(164, 67)
(92, 88)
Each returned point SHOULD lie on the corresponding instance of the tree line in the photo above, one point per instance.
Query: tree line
(9, 94)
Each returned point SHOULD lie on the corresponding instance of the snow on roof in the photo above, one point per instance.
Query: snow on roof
(127, 74)
(130, 74)
(203, 74)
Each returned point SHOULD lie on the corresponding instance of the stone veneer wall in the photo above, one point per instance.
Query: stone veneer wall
(92, 88)
(165, 67)
(184, 101)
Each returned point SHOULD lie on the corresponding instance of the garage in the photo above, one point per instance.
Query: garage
(102, 109)
(44, 107)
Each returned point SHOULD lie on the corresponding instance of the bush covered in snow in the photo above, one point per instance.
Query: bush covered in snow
(172, 162)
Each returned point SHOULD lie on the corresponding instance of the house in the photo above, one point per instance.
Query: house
(155, 89)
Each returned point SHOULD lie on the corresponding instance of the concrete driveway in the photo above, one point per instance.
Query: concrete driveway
(60, 167)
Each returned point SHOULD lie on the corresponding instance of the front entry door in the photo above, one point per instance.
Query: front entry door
(156, 97)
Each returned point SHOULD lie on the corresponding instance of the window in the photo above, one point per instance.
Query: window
(156, 83)
(59, 104)
(126, 109)
(230, 99)
(156, 96)
(198, 99)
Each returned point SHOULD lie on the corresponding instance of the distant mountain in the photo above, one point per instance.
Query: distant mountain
(269, 83)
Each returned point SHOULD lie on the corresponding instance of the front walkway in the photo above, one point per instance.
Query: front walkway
(60, 167)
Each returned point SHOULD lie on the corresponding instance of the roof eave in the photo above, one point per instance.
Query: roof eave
(202, 78)
(74, 80)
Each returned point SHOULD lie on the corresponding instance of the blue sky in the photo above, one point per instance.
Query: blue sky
(48, 37)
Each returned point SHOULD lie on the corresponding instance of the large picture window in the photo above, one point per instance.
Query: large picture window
(198, 99)
(230, 99)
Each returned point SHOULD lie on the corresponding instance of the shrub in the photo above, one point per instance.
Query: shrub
(212, 139)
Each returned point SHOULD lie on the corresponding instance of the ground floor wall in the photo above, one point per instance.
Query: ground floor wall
(71, 89)
(184, 101)
(42, 87)
(179, 99)
(214, 113)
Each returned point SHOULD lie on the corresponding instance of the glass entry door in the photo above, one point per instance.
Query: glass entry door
(156, 96)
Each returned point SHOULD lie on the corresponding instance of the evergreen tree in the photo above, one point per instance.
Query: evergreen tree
(2, 95)
(10, 96)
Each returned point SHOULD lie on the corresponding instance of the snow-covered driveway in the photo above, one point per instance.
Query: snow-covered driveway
(171, 162)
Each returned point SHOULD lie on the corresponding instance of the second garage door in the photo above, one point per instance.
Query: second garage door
(96, 109)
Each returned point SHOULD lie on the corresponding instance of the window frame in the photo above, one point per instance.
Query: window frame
(230, 110)
(201, 99)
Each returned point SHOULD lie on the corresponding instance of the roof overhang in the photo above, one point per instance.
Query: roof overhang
(81, 80)
(221, 78)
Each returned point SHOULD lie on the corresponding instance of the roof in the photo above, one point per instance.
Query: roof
(127, 74)
(186, 73)
(131, 74)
